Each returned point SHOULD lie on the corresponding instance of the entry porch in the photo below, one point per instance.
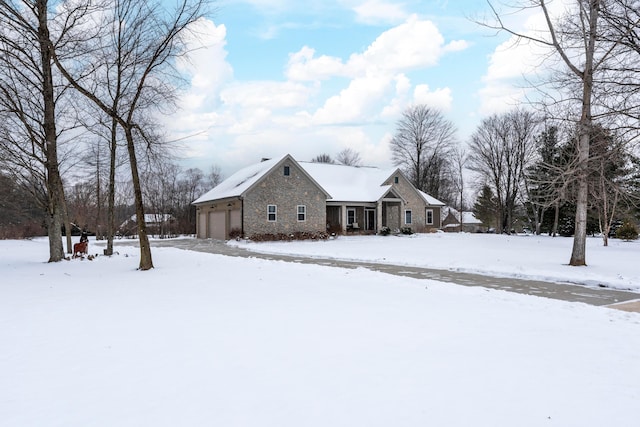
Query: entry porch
(364, 218)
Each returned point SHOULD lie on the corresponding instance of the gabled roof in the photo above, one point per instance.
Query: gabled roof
(150, 219)
(349, 183)
(468, 218)
(241, 181)
(341, 183)
(430, 200)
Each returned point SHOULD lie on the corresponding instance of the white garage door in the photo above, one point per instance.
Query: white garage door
(217, 227)
(202, 225)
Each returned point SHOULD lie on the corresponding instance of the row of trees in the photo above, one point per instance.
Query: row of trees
(525, 167)
(536, 177)
(594, 50)
(347, 157)
(167, 190)
(76, 72)
(591, 94)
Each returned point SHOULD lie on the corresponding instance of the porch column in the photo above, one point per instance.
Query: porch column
(343, 220)
(379, 216)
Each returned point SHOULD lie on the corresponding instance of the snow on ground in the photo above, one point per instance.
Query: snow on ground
(523, 256)
(211, 340)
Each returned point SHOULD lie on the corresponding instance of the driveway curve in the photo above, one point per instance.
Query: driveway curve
(624, 300)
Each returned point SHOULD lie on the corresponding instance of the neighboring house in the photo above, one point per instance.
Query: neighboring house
(451, 221)
(156, 224)
(286, 196)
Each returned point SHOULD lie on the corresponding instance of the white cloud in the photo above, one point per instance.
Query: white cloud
(440, 98)
(206, 64)
(517, 61)
(412, 44)
(303, 66)
(376, 73)
(394, 108)
(356, 103)
(326, 103)
(274, 95)
(456, 46)
(379, 12)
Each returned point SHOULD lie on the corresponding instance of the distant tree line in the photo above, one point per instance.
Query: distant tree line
(168, 191)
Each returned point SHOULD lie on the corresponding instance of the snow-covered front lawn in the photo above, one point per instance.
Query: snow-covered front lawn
(207, 340)
(523, 256)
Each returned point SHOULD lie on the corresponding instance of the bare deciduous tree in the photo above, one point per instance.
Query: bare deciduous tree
(28, 95)
(421, 147)
(500, 151)
(214, 177)
(349, 157)
(135, 63)
(323, 158)
(458, 166)
(577, 39)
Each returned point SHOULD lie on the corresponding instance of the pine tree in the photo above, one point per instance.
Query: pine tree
(485, 207)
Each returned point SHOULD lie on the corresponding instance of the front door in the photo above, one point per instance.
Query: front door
(370, 219)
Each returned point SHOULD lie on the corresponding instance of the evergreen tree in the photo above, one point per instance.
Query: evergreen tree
(544, 180)
(485, 207)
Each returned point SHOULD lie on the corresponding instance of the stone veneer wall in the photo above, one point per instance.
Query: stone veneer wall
(286, 192)
(417, 205)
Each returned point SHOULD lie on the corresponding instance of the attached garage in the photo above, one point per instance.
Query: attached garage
(216, 220)
(217, 226)
(202, 225)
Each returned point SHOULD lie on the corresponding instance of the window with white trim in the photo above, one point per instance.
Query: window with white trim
(429, 216)
(407, 216)
(302, 213)
(351, 216)
(272, 213)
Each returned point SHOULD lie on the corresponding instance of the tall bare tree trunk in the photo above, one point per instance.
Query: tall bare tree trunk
(578, 253)
(54, 181)
(112, 187)
(146, 262)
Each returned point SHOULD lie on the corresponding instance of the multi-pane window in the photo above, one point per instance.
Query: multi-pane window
(287, 171)
(302, 213)
(272, 211)
(407, 216)
(351, 216)
(429, 216)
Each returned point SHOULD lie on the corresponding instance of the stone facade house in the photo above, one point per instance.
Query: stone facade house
(286, 196)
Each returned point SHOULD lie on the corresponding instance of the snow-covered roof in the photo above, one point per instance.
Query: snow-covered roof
(349, 183)
(239, 182)
(470, 218)
(342, 183)
(467, 217)
(154, 217)
(430, 200)
(151, 218)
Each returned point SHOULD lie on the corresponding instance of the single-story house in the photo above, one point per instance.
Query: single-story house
(283, 195)
(451, 221)
(157, 223)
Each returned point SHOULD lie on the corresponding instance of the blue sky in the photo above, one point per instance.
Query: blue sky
(285, 76)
